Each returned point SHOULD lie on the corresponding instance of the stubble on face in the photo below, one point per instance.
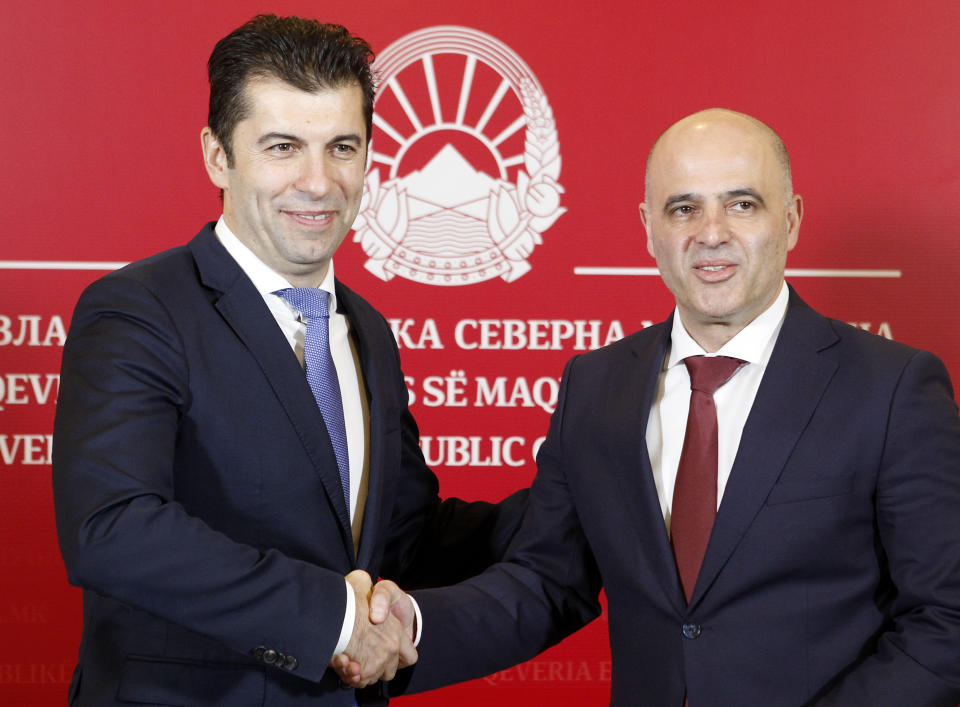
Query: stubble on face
(719, 220)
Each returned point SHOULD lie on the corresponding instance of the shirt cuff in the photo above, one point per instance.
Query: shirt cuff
(349, 617)
(418, 630)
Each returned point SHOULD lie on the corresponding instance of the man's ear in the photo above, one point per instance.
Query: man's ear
(794, 216)
(645, 220)
(214, 158)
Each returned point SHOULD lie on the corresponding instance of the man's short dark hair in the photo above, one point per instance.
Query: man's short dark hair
(304, 53)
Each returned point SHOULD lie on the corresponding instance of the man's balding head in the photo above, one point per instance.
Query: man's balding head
(718, 114)
(720, 217)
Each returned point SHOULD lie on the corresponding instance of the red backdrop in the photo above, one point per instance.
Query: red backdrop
(102, 108)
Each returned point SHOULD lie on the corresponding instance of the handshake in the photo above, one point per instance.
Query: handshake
(383, 633)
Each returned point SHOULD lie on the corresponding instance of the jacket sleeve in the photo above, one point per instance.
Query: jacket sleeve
(435, 542)
(123, 533)
(546, 588)
(916, 659)
(431, 541)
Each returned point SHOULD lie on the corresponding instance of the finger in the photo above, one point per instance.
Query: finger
(358, 682)
(354, 675)
(345, 668)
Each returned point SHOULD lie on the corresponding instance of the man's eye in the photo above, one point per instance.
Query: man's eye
(743, 205)
(685, 210)
(282, 147)
(343, 149)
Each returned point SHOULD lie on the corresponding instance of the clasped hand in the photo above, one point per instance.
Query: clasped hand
(383, 631)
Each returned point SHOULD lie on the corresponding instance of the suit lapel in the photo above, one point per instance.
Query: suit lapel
(792, 386)
(638, 384)
(243, 309)
(362, 325)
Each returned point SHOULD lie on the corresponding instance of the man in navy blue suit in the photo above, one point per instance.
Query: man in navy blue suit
(199, 497)
(830, 569)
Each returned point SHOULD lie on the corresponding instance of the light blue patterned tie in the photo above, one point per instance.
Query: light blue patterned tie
(321, 373)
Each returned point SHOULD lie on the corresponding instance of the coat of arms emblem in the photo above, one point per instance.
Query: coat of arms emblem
(462, 182)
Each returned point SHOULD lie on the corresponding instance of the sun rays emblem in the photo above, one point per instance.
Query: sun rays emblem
(463, 166)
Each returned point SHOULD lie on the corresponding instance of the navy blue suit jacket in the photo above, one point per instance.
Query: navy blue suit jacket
(832, 576)
(198, 499)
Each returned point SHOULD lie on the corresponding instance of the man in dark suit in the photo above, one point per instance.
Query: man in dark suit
(829, 571)
(222, 519)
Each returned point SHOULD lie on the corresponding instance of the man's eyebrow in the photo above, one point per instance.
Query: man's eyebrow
(348, 137)
(677, 198)
(746, 191)
(278, 137)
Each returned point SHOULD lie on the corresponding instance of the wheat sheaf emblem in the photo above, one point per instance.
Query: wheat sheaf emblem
(446, 221)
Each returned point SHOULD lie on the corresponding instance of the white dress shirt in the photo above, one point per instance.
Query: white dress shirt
(667, 423)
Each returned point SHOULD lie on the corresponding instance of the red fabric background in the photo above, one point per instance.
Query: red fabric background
(99, 125)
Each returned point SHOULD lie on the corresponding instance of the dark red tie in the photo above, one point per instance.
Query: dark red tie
(695, 491)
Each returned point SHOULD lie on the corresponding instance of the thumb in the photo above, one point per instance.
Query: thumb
(361, 582)
(384, 595)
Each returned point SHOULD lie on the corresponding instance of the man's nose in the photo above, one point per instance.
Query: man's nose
(314, 176)
(715, 229)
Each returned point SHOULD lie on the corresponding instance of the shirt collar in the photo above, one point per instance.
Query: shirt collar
(753, 343)
(264, 278)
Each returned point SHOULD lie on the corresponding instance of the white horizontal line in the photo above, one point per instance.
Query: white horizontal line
(57, 265)
(790, 272)
(815, 272)
(578, 270)
(600, 270)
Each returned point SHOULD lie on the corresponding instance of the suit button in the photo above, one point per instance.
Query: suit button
(270, 656)
(290, 663)
(258, 652)
(691, 630)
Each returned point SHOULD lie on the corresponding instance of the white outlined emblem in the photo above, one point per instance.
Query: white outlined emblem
(456, 193)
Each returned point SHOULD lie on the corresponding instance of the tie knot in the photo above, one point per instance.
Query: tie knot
(311, 302)
(707, 373)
